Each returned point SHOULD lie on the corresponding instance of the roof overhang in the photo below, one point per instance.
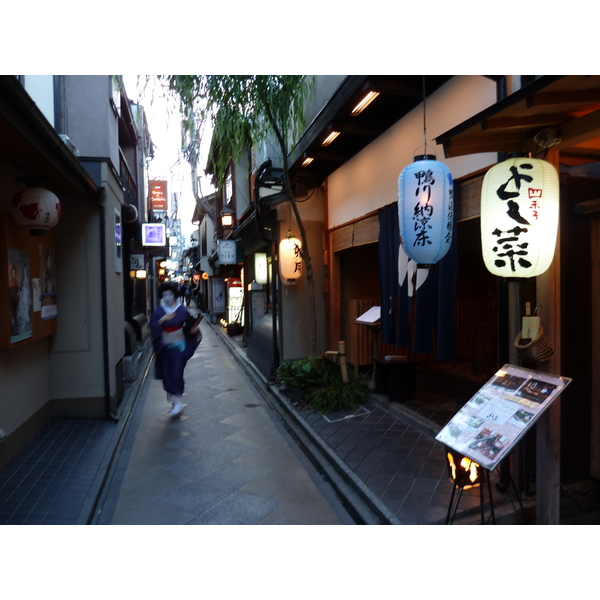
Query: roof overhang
(561, 111)
(398, 95)
(30, 144)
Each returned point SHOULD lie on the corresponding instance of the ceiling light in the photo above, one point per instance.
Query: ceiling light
(307, 161)
(364, 103)
(330, 138)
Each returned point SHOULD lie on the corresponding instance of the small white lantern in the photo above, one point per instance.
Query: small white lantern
(519, 217)
(260, 267)
(425, 209)
(36, 209)
(290, 260)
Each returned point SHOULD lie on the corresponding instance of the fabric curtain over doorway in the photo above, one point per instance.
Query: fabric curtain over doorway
(427, 294)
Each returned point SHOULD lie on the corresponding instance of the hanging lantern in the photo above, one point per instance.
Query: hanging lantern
(260, 267)
(519, 217)
(36, 209)
(290, 260)
(425, 209)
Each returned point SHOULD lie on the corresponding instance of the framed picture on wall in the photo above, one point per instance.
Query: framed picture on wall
(47, 283)
(19, 296)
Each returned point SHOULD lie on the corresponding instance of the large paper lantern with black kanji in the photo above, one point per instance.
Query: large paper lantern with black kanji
(425, 209)
(519, 217)
(36, 209)
(290, 260)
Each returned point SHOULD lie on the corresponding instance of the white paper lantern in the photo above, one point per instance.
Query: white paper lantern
(260, 267)
(425, 209)
(290, 260)
(36, 208)
(519, 217)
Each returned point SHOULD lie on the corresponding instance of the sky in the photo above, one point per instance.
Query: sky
(168, 163)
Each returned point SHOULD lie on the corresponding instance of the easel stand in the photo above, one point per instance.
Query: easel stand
(485, 483)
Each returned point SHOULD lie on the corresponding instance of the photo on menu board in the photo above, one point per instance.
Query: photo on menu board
(489, 425)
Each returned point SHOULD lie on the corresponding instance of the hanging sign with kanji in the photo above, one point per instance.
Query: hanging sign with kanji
(519, 217)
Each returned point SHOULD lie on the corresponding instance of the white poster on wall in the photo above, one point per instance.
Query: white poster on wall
(218, 299)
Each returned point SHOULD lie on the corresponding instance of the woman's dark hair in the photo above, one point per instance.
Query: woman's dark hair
(168, 286)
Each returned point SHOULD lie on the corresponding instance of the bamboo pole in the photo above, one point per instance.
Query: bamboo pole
(343, 365)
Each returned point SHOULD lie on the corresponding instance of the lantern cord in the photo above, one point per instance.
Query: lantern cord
(424, 117)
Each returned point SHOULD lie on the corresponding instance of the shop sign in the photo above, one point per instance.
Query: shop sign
(227, 250)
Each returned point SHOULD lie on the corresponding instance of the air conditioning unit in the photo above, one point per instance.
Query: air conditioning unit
(69, 144)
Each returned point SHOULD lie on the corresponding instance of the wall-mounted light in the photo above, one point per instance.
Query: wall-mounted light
(227, 215)
(370, 96)
(330, 137)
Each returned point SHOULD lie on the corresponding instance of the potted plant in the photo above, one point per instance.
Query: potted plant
(297, 376)
(317, 383)
(333, 393)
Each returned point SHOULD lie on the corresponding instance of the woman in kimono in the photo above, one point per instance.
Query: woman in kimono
(175, 339)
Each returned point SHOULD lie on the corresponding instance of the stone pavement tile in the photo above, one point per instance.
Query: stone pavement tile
(200, 439)
(410, 512)
(378, 480)
(442, 494)
(213, 456)
(203, 493)
(156, 482)
(434, 515)
(238, 508)
(424, 486)
(151, 511)
(300, 501)
(388, 467)
(433, 471)
(401, 482)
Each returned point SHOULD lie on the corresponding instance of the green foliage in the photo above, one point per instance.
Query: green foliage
(302, 374)
(322, 384)
(242, 110)
(333, 394)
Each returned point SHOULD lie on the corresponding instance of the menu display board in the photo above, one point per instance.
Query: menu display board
(491, 423)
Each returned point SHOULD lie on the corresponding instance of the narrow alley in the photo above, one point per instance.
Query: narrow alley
(227, 460)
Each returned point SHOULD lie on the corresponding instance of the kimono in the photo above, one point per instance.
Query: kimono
(170, 360)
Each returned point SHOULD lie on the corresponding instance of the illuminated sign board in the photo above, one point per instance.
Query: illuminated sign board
(154, 234)
(158, 195)
(227, 250)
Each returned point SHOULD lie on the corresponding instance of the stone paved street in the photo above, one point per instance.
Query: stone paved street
(227, 460)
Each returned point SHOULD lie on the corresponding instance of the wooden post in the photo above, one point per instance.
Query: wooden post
(343, 365)
(548, 426)
(595, 451)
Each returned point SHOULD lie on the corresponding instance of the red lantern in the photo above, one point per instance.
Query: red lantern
(36, 209)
